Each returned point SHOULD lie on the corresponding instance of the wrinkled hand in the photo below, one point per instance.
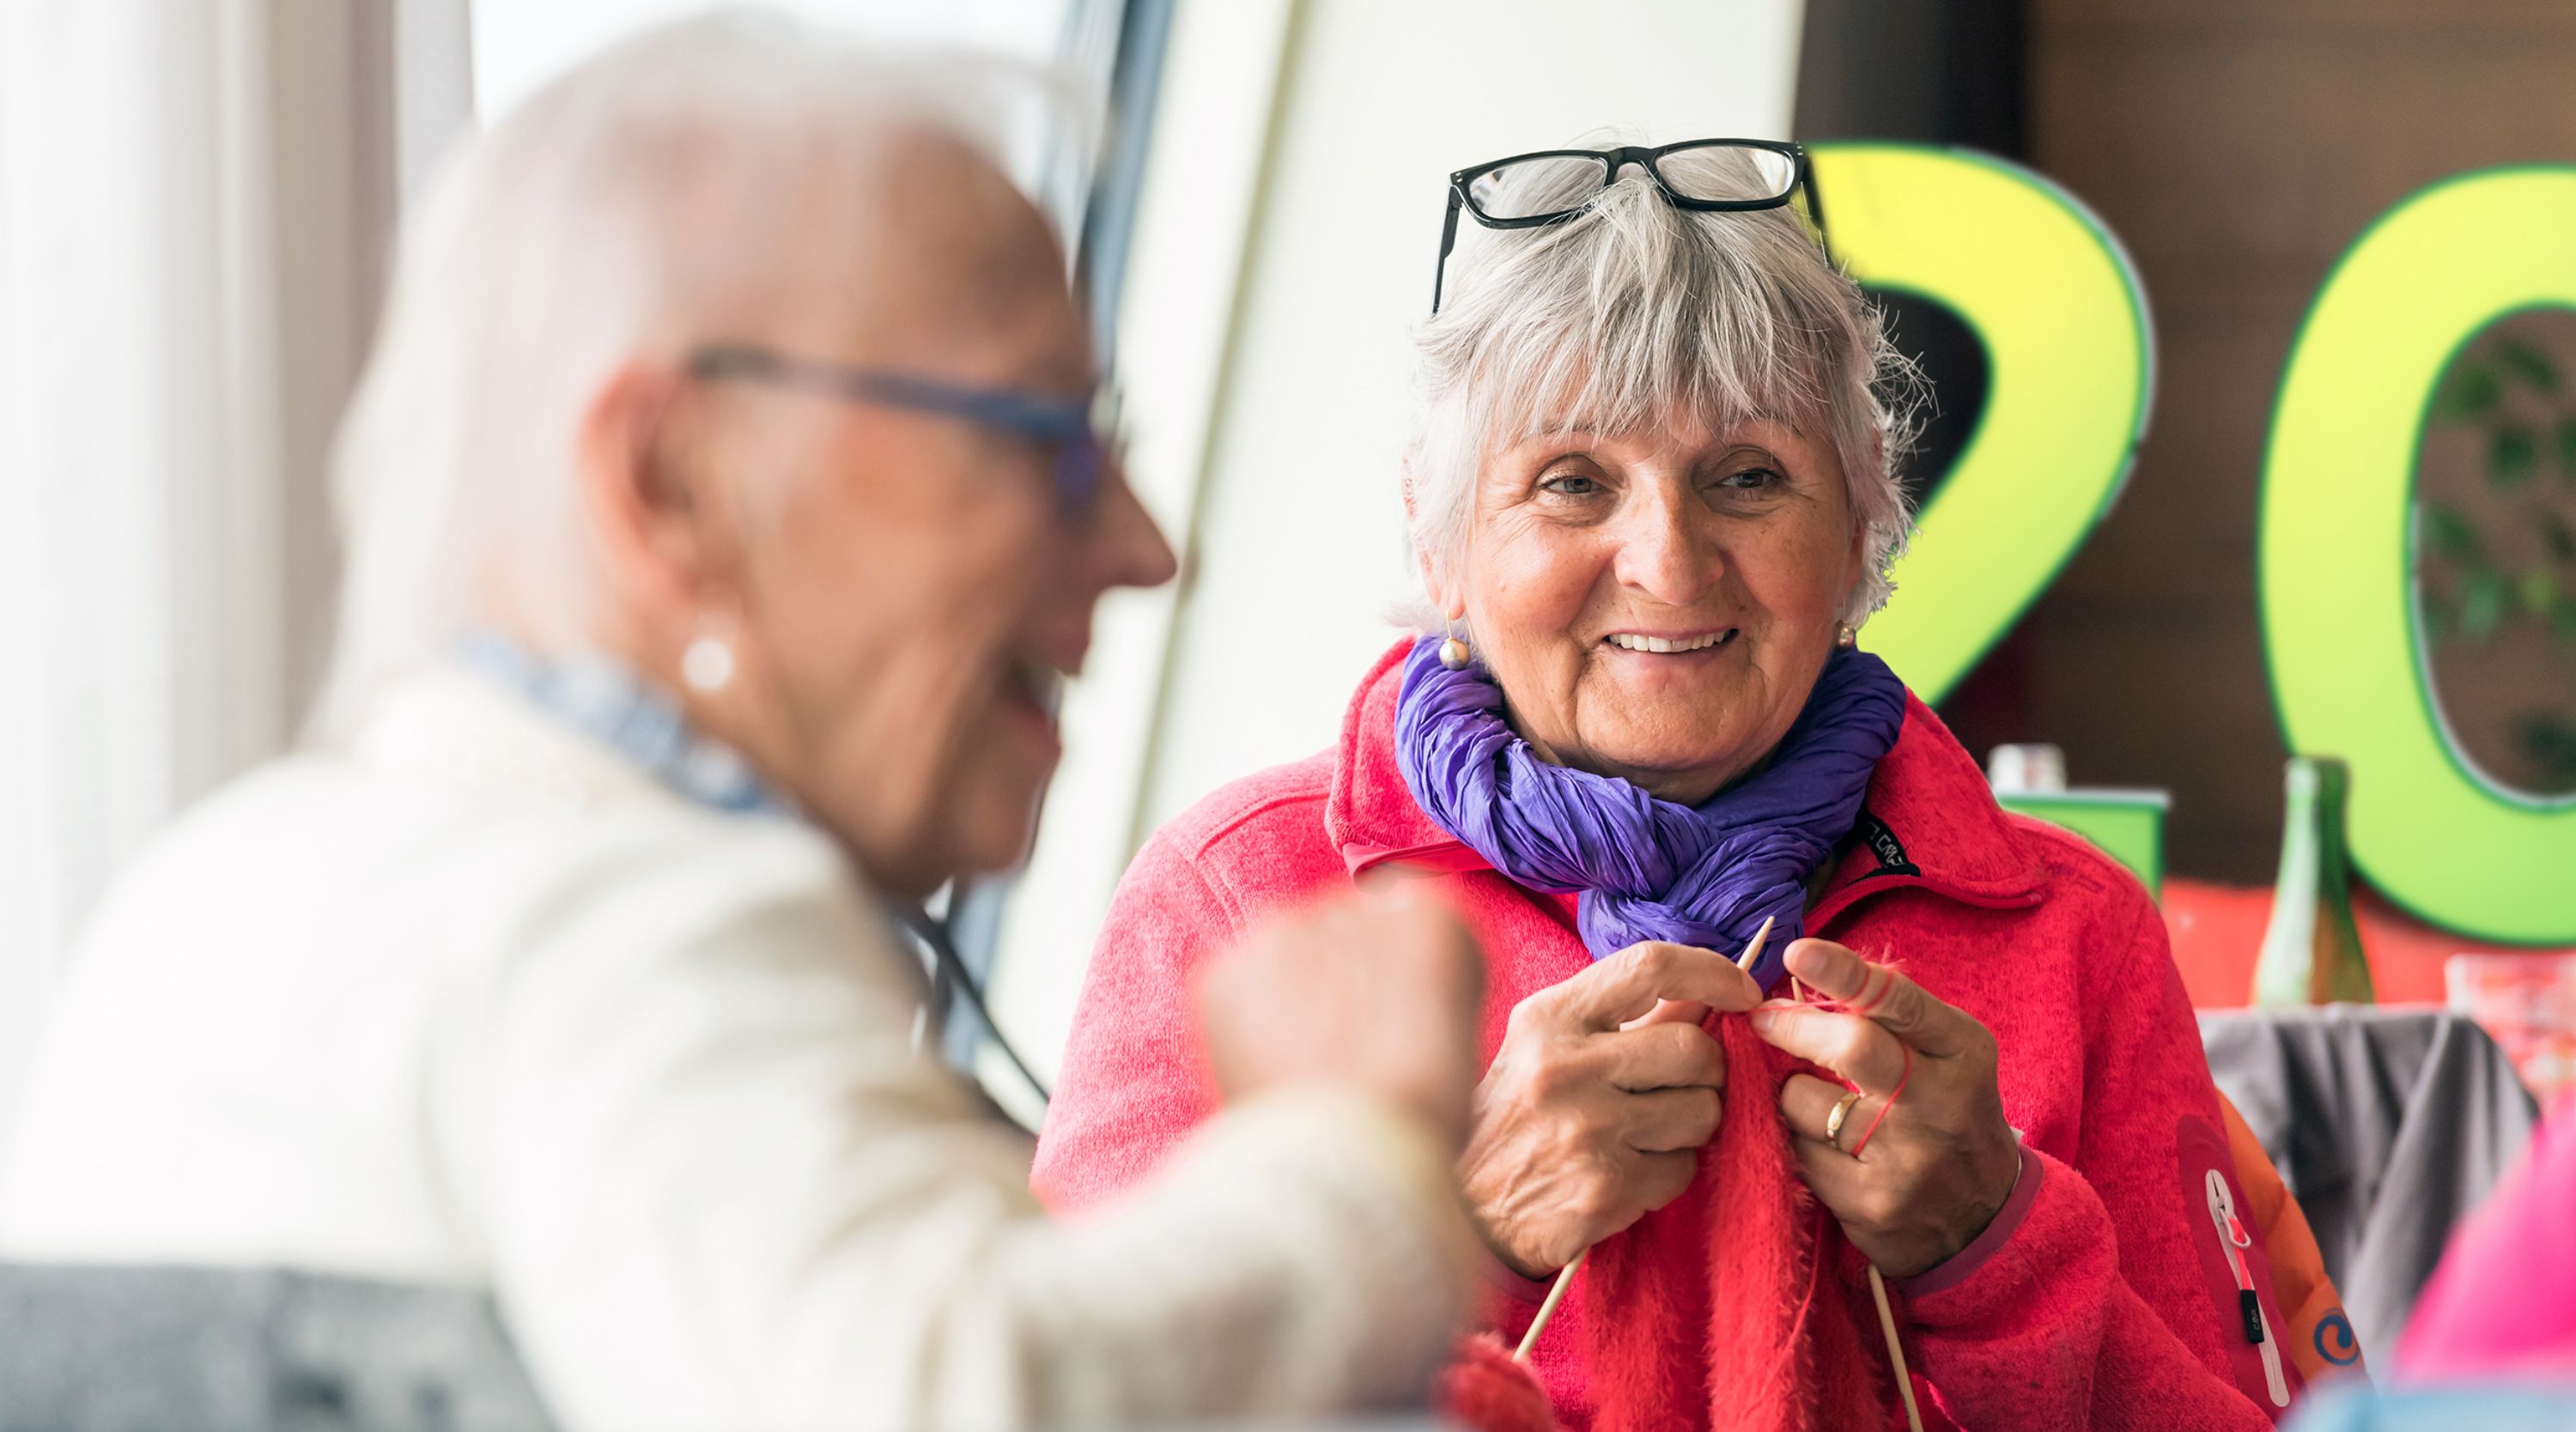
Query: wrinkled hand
(1943, 1161)
(1594, 1109)
(1373, 993)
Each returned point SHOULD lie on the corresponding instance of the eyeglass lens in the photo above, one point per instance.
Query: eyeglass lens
(1081, 461)
(1554, 183)
(1728, 173)
(1542, 184)
(1077, 474)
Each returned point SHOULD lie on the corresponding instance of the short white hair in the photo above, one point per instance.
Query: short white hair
(1637, 310)
(645, 197)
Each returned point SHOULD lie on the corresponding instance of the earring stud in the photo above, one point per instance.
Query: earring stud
(1845, 637)
(706, 663)
(1453, 652)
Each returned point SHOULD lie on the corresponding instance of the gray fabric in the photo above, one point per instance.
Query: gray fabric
(91, 1349)
(2388, 1125)
(220, 1350)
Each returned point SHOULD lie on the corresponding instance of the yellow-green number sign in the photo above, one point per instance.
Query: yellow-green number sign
(2338, 550)
(2069, 366)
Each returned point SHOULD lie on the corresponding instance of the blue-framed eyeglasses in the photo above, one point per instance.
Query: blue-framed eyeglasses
(1077, 429)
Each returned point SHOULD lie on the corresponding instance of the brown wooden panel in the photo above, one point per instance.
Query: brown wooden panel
(2238, 147)
(2314, 17)
(2197, 144)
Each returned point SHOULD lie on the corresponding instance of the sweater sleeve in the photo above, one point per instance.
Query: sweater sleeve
(1133, 1082)
(2109, 1302)
(720, 1188)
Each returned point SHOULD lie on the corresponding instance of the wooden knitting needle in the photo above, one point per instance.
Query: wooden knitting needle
(1895, 1349)
(1547, 1310)
(1753, 951)
(1565, 1279)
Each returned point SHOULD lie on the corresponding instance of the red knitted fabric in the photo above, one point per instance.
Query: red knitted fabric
(1750, 1347)
(1487, 1391)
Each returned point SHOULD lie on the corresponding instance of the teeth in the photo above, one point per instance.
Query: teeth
(1631, 642)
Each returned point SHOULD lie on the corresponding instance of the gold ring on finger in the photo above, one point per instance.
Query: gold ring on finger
(1842, 1111)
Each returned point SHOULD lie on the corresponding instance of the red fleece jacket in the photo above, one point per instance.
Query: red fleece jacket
(2102, 1297)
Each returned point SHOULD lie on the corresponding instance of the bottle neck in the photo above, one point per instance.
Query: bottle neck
(2326, 817)
(2312, 948)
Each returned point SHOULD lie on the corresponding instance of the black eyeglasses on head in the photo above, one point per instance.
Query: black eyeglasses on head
(1551, 186)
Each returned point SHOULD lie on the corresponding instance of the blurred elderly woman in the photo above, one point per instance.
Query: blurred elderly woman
(721, 505)
(1652, 500)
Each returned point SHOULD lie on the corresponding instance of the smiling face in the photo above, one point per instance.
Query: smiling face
(906, 598)
(1657, 604)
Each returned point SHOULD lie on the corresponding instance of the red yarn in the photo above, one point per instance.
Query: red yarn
(1774, 1334)
(1487, 1391)
(1892, 1096)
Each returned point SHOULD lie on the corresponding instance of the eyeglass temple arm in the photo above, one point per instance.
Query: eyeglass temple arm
(1448, 241)
(1030, 414)
(1815, 204)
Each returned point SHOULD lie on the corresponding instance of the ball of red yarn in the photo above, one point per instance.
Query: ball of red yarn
(1485, 1390)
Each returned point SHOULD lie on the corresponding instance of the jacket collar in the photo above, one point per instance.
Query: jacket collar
(1929, 821)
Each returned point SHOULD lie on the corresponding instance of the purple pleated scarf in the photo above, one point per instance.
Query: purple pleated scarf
(1646, 868)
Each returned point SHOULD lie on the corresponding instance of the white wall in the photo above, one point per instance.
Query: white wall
(1286, 243)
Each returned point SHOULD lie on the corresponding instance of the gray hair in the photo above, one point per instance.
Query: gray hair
(645, 198)
(1637, 310)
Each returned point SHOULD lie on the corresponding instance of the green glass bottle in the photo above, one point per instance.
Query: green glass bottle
(2312, 949)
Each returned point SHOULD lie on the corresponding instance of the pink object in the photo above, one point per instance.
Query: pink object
(2110, 1304)
(2502, 1307)
(2528, 1003)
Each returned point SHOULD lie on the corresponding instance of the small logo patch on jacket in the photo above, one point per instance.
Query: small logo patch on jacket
(2335, 1340)
(1884, 844)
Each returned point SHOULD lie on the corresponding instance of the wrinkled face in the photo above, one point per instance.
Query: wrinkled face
(910, 606)
(1657, 604)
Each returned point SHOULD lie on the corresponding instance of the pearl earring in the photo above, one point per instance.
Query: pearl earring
(707, 662)
(1453, 652)
(1845, 637)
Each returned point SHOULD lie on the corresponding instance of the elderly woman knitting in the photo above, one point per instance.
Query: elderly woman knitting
(1652, 501)
(721, 503)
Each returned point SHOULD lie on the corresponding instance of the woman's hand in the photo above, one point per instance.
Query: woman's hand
(1381, 995)
(1942, 1161)
(1595, 1107)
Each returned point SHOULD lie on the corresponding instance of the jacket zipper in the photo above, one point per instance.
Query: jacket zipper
(2235, 1242)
